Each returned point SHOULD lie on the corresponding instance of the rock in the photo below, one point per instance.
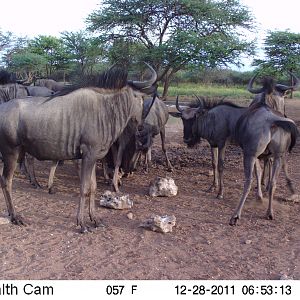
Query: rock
(294, 198)
(162, 224)
(115, 200)
(164, 187)
(210, 173)
(4, 221)
(130, 216)
(248, 242)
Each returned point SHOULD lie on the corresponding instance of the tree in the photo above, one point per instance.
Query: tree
(27, 64)
(174, 33)
(84, 50)
(51, 48)
(282, 53)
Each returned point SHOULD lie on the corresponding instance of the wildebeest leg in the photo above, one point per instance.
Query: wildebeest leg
(54, 165)
(87, 166)
(29, 159)
(214, 161)
(221, 154)
(148, 160)
(117, 163)
(92, 199)
(287, 177)
(249, 162)
(10, 164)
(163, 138)
(258, 172)
(275, 172)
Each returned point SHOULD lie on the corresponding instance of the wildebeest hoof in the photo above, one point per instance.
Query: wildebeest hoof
(17, 220)
(85, 229)
(220, 196)
(270, 216)
(233, 221)
(36, 185)
(170, 169)
(52, 190)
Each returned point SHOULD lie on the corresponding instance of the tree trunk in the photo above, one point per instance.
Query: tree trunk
(292, 83)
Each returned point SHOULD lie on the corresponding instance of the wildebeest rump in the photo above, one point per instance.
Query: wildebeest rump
(258, 131)
(82, 124)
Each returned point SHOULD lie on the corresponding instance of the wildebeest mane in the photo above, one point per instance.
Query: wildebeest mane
(209, 103)
(114, 78)
(6, 77)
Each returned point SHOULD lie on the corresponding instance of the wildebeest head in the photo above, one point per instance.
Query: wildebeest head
(272, 93)
(189, 116)
(144, 133)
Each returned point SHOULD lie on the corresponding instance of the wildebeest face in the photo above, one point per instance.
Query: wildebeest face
(189, 120)
(144, 138)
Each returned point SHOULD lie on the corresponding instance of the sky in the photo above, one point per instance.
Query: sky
(39, 17)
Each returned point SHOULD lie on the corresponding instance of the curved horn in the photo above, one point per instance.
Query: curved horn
(251, 89)
(145, 114)
(177, 105)
(144, 84)
(294, 87)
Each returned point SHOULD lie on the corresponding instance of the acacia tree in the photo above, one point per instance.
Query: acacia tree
(83, 50)
(174, 33)
(282, 54)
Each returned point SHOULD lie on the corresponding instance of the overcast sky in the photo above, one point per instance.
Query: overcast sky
(40, 17)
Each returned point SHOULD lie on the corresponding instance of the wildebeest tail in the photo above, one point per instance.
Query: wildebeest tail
(289, 127)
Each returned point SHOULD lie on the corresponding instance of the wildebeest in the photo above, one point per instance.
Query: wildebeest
(153, 125)
(50, 84)
(273, 95)
(259, 131)
(276, 92)
(79, 124)
(214, 121)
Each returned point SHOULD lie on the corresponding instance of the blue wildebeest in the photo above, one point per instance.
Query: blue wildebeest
(50, 84)
(214, 121)
(262, 130)
(79, 124)
(153, 125)
(275, 99)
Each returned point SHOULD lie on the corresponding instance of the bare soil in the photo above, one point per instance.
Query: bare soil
(201, 246)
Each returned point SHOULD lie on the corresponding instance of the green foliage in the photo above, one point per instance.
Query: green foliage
(282, 53)
(174, 33)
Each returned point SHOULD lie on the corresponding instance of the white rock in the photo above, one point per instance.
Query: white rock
(164, 187)
(4, 221)
(162, 224)
(294, 198)
(115, 201)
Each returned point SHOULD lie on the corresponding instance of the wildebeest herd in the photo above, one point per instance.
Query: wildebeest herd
(108, 119)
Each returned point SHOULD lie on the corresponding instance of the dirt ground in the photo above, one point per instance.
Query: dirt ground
(201, 246)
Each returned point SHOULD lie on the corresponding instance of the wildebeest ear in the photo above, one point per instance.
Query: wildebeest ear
(175, 114)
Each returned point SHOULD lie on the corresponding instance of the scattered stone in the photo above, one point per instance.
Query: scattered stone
(130, 216)
(162, 224)
(286, 277)
(164, 187)
(115, 200)
(248, 242)
(294, 198)
(4, 221)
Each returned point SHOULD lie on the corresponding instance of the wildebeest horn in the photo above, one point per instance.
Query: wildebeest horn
(145, 114)
(294, 87)
(251, 89)
(177, 105)
(145, 84)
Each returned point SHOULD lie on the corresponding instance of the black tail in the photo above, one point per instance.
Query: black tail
(289, 127)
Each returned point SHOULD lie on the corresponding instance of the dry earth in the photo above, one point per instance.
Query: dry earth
(201, 246)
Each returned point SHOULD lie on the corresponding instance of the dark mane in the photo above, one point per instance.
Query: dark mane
(114, 78)
(6, 77)
(268, 84)
(209, 103)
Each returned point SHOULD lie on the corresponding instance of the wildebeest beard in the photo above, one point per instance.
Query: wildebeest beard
(190, 136)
